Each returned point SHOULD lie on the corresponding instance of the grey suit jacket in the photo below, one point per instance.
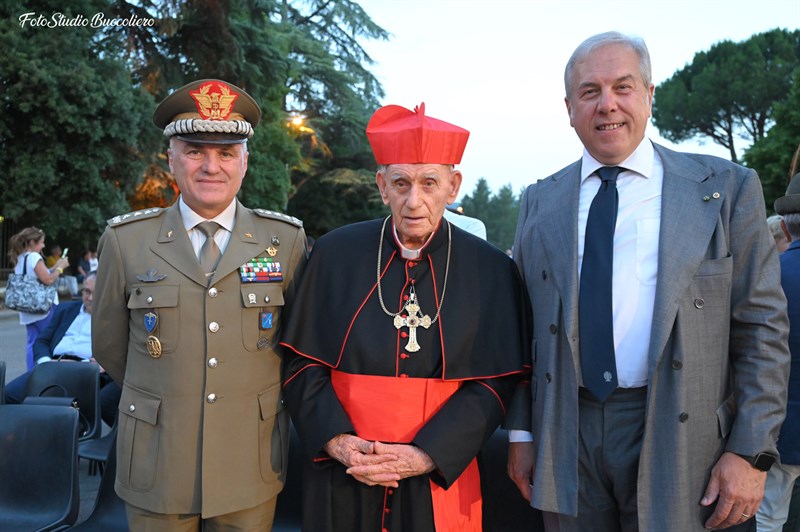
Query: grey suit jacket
(202, 428)
(718, 356)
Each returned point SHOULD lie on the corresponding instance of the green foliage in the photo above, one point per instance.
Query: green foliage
(75, 131)
(498, 212)
(729, 91)
(772, 155)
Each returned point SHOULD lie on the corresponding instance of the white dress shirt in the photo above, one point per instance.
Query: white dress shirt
(225, 219)
(77, 341)
(635, 257)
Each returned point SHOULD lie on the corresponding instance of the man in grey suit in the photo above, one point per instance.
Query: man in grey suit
(696, 385)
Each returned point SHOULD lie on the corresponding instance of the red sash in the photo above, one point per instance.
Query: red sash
(392, 410)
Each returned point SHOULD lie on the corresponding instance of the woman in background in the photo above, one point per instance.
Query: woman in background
(26, 247)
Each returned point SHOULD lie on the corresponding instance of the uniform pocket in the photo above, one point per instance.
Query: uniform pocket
(262, 305)
(159, 302)
(273, 439)
(138, 438)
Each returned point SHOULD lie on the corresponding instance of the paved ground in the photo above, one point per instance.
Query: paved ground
(12, 351)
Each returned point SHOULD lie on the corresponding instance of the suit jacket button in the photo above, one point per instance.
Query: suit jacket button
(212, 398)
(132, 408)
(698, 303)
(548, 377)
(544, 274)
(213, 326)
(212, 362)
(677, 364)
(213, 292)
(553, 328)
(683, 417)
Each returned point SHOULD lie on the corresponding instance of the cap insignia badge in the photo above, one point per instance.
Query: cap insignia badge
(214, 100)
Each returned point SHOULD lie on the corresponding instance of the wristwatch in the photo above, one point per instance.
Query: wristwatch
(761, 461)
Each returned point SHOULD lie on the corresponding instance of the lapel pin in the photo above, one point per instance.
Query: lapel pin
(272, 251)
(715, 195)
(706, 198)
(248, 235)
(275, 241)
(169, 234)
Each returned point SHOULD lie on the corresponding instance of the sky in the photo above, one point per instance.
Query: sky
(496, 67)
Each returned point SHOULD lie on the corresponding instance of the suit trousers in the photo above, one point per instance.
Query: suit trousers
(257, 519)
(774, 508)
(610, 442)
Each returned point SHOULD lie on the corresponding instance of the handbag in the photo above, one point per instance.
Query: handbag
(26, 293)
(45, 397)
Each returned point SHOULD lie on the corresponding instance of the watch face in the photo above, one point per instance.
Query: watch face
(763, 461)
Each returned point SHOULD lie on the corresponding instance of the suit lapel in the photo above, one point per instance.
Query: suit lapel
(557, 222)
(173, 246)
(689, 215)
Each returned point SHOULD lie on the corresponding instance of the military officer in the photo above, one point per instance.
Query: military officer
(189, 303)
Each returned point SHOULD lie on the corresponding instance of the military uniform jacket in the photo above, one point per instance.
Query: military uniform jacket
(202, 428)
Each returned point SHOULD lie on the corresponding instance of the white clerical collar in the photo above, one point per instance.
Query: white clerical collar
(410, 254)
(640, 161)
(190, 218)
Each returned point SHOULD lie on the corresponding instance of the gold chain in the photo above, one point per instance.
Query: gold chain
(446, 272)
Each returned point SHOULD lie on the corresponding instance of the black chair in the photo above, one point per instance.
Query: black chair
(2, 382)
(98, 450)
(78, 380)
(38, 467)
(108, 514)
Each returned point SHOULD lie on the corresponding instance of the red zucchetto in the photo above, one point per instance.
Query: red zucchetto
(400, 136)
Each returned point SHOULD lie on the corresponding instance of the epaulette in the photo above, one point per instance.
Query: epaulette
(279, 216)
(135, 215)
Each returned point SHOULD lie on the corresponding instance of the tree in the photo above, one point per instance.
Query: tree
(498, 212)
(772, 156)
(729, 92)
(75, 130)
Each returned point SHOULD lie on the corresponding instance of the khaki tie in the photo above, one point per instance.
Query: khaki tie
(209, 253)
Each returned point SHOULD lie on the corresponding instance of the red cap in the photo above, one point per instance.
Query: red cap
(400, 136)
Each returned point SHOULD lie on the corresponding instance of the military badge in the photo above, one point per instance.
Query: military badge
(150, 321)
(151, 276)
(265, 321)
(261, 270)
(214, 100)
(154, 346)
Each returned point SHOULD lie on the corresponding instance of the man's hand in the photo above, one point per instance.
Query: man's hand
(738, 489)
(353, 451)
(406, 461)
(521, 467)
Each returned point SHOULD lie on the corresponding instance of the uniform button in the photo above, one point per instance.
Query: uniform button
(213, 326)
(677, 364)
(132, 408)
(149, 299)
(683, 417)
(403, 334)
(553, 328)
(212, 398)
(548, 377)
(403, 355)
(212, 362)
(213, 292)
(266, 299)
(698, 303)
(544, 274)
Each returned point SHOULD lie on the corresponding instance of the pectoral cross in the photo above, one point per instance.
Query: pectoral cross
(412, 321)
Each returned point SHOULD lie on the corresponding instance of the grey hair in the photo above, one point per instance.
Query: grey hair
(774, 223)
(591, 44)
(792, 222)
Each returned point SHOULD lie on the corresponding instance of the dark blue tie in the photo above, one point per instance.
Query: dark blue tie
(598, 363)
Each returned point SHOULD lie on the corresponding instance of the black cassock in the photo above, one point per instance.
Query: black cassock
(336, 322)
